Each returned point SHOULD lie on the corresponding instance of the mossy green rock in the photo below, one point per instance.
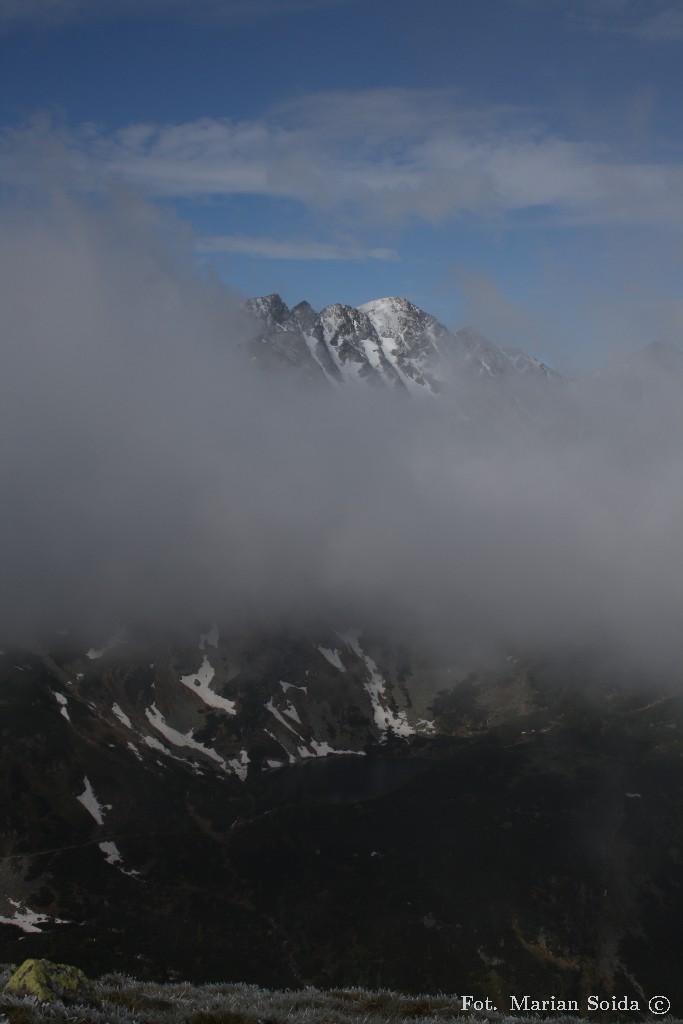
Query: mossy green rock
(47, 981)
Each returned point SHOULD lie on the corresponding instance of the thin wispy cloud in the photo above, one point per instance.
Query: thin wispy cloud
(392, 156)
(290, 249)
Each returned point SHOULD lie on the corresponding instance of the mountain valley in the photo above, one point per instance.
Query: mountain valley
(336, 801)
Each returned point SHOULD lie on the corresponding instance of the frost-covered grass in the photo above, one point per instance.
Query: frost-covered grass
(119, 999)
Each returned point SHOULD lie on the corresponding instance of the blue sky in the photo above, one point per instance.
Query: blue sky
(513, 163)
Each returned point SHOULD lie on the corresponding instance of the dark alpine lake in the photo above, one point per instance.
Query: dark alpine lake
(343, 779)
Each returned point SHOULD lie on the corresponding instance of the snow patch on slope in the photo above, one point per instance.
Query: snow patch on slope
(385, 718)
(61, 699)
(199, 681)
(240, 765)
(91, 803)
(277, 714)
(323, 750)
(291, 712)
(179, 739)
(122, 716)
(293, 686)
(27, 920)
(333, 657)
(154, 744)
(113, 856)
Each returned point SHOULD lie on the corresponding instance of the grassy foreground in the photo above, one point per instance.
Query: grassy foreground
(119, 999)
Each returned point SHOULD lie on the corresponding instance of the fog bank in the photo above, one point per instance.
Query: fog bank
(150, 473)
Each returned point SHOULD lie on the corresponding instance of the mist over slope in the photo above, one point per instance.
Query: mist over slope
(151, 472)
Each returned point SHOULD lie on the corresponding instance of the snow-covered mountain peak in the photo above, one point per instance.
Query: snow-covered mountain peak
(387, 341)
(391, 316)
(303, 316)
(270, 308)
(398, 318)
(352, 341)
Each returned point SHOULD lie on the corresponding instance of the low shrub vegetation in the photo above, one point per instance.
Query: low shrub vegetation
(120, 999)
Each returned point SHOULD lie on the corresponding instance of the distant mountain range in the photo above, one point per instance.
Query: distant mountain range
(504, 829)
(392, 343)
(387, 342)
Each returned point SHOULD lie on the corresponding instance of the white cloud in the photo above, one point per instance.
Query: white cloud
(290, 249)
(390, 156)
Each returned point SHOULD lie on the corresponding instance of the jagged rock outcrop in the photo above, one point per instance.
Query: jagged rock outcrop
(388, 342)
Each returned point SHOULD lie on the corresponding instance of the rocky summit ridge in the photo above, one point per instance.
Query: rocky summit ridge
(386, 342)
